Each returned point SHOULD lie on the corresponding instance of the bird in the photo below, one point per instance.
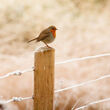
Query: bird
(47, 36)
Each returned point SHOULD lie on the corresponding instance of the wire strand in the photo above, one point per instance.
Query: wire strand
(83, 58)
(95, 102)
(82, 84)
(18, 73)
(15, 99)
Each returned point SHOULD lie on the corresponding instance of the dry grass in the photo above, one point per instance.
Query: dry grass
(83, 30)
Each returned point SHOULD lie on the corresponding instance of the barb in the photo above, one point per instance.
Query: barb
(82, 84)
(83, 58)
(95, 102)
(15, 99)
(18, 72)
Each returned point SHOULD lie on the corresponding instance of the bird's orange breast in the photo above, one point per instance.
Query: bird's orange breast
(54, 33)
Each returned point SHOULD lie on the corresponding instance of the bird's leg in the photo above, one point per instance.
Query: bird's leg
(47, 45)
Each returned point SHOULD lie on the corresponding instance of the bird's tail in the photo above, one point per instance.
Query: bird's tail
(32, 40)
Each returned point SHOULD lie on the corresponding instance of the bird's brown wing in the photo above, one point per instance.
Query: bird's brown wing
(45, 33)
(42, 36)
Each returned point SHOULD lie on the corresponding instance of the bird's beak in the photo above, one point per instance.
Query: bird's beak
(56, 29)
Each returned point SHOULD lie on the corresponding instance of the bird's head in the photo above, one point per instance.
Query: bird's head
(53, 30)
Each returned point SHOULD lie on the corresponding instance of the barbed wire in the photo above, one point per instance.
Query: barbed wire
(83, 58)
(95, 102)
(15, 99)
(18, 73)
(82, 84)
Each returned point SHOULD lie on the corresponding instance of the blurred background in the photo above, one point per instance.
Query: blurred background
(84, 29)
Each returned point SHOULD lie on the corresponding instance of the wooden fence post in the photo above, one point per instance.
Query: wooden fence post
(44, 79)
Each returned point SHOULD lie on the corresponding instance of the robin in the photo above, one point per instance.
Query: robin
(47, 35)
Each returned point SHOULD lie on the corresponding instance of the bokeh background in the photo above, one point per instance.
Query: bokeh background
(84, 29)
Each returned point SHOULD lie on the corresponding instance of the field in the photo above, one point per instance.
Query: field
(84, 30)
